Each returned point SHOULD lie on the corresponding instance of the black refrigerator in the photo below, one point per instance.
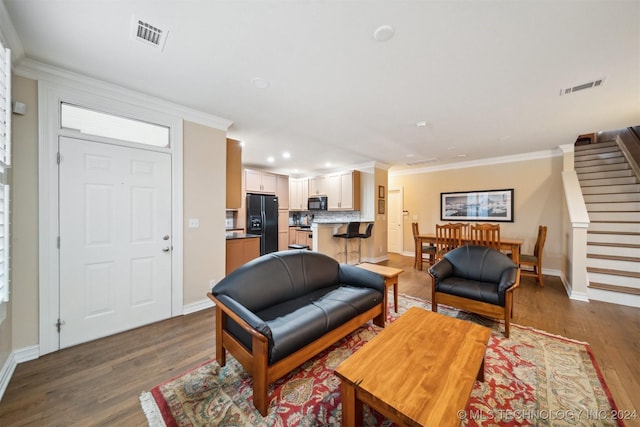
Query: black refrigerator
(262, 220)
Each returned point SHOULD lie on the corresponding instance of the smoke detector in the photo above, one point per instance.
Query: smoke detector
(149, 34)
(588, 85)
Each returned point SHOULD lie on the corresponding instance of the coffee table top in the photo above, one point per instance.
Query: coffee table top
(382, 270)
(420, 368)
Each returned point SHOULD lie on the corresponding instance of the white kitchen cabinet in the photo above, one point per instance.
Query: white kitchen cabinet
(282, 191)
(298, 194)
(256, 181)
(318, 186)
(343, 191)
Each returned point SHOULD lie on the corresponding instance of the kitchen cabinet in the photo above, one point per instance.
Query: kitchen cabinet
(256, 181)
(240, 251)
(234, 174)
(305, 237)
(282, 191)
(318, 186)
(298, 194)
(343, 191)
(283, 230)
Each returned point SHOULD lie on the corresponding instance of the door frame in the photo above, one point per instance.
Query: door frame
(400, 190)
(50, 95)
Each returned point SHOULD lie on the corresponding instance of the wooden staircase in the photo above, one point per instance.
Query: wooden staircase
(611, 192)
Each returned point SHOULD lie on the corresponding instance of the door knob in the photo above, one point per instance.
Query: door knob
(166, 249)
(165, 237)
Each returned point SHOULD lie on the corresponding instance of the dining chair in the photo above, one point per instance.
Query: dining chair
(422, 249)
(486, 235)
(465, 229)
(448, 237)
(535, 260)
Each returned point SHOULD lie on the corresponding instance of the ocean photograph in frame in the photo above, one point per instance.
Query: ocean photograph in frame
(489, 205)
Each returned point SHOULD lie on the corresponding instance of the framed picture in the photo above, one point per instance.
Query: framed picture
(490, 205)
(380, 191)
(381, 206)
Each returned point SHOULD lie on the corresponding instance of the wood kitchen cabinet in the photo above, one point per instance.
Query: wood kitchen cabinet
(256, 181)
(343, 191)
(241, 251)
(318, 186)
(305, 238)
(298, 194)
(234, 174)
(282, 191)
(283, 230)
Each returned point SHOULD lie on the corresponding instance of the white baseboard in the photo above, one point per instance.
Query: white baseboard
(197, 306)
(26, 354)
(6, 372)
(375, 260)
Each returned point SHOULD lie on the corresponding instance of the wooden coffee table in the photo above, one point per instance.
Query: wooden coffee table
(419, 371)
(390, 275)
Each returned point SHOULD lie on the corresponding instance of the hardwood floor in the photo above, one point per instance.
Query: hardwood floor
(98, 383)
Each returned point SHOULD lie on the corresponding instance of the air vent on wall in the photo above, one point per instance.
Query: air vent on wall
(588, 85)
(149, 34)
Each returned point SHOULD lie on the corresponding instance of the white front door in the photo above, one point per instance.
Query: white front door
(115, 239)
(395, 221)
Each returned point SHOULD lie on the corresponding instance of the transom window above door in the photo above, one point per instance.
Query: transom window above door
(97, 123)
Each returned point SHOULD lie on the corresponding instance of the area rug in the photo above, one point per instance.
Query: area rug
(531, 378)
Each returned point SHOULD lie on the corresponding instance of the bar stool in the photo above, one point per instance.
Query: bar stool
(353, 232)
(365, 235)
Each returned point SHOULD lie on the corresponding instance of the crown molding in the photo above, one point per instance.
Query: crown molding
(523, 157)
(31, 69)
(567, 148)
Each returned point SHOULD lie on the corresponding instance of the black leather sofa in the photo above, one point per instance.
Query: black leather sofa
(478, 279)
(279, 310)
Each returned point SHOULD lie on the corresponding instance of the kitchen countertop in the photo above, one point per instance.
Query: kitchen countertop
(235, 235)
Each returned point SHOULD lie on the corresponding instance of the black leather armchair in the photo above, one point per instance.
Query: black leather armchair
(478, 279)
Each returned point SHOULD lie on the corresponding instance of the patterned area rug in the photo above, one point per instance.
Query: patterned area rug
(531, 378)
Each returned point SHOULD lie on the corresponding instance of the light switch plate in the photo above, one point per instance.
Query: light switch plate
(194, 223)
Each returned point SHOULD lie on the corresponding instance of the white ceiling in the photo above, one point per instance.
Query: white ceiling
(484, 75)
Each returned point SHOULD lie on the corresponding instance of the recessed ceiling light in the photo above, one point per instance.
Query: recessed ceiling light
(411, 155)
(421, 124)
(383, 33)
(260, 83)
(328, 164)
(286, 155)
(270, 159)
(451, 148)
(462, 155)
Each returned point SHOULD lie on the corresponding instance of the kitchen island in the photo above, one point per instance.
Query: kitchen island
(324, 242)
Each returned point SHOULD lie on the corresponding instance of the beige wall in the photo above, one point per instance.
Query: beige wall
(204, 199)
(24, 216)
(538, 200)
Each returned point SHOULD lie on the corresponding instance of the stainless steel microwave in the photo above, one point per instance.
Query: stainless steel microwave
(317, 203)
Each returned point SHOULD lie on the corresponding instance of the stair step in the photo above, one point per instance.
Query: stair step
(614, 288)
(613, 207)
(606, 174)
(617, 263)
(597, 162)
(612, 198)
(605, 237)
(613, 272)
(599, 147)
(610, 189)
(613, 249)
(615, 226)
(600, 156)
(602, 168)
(617, 278)
(595, 182)
(617, 216)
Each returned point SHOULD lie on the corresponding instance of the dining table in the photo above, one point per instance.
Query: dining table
(506, 243)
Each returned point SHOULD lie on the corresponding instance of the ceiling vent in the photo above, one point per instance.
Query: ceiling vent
(421, 162)
(589, 85)
(149, 34)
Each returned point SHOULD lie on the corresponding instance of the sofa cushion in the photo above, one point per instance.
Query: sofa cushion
(479, 263)
(471, 289)
(298, 322)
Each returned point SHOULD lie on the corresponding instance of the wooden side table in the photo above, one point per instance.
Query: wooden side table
(390, 275)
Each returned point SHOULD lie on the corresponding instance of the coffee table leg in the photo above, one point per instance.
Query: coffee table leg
(351, 407)
(480, 376)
